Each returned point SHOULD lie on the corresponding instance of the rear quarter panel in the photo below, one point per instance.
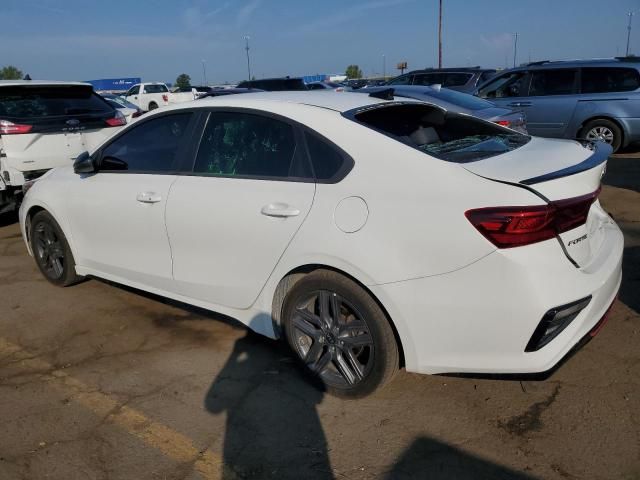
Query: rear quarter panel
(622, 107)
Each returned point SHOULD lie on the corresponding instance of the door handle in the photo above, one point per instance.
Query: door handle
(280, 210)
(148, 197)
(519, 104)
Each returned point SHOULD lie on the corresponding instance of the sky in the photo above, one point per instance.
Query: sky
(159, 39)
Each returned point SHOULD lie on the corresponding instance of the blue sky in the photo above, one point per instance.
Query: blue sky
(157, 40)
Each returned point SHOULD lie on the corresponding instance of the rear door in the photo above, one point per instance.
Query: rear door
(231, 218)
(46, 126)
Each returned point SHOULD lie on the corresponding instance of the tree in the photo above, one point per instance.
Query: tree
(10, 73)
(353, 71)
(183, 81)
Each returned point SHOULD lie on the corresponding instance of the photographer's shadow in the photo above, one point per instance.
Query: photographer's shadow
(272, 426)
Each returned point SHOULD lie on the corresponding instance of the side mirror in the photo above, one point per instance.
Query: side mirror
(84, 163)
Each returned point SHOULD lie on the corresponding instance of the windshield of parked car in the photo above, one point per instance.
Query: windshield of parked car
(445, 135)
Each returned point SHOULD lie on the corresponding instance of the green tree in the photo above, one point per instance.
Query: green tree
(183, 81)
(353, 71)
(10, 73)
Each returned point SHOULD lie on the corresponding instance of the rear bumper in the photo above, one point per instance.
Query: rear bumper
(479, 319)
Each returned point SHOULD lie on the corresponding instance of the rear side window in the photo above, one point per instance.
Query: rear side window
(614, 79)
(552, 82)
(156, 88)
(239, 144)
(32, 103)
(428, 79)
(151, 146)
(445, 135)
(327, 161)
(508, 85)
(456, 79)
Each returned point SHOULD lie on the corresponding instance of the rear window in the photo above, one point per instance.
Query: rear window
(27, 102)
(463, 100)
(445, 135)
(156, 88)
(602, 80)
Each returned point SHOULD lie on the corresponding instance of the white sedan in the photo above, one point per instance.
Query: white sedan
(372, 234)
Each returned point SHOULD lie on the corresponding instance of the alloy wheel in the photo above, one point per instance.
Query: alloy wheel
(332, 338)
(600, 133)
(49, 251)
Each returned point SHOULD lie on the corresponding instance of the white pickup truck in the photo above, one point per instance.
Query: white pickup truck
(152, 95)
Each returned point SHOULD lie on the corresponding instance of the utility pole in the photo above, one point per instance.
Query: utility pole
(629, 31)
(246, 39)
(384, 66)
(440, 36)
(515, 48)
(204, 73)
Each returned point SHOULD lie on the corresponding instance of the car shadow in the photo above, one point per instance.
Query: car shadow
(8, 218)
(630, 288)
(623, 173)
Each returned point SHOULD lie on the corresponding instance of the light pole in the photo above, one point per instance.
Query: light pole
(384, 66)
(440, 36)
(515, 48)
(246, 39)
(204, 73)
(629, 31)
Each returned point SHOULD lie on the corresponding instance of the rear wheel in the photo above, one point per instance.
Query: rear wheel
(153, 106)
(51, 250)
(603, 130)
(340, 334)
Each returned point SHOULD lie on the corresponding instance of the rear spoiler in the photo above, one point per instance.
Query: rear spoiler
(601, 152)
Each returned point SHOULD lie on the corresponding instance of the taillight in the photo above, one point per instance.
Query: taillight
(508, 227)
(10, 128)
(117, 120)
(165, 97)
(503, 123)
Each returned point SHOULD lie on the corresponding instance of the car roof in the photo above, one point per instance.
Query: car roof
(43, 83)
(327, 99)
(544, 64)
(453, 70)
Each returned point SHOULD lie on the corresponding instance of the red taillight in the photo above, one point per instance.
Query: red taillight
(10, 128)
(165, 97)
(117, 121)
(508, 227)
(503, 123)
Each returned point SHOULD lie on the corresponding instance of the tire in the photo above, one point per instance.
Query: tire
(351, 354)
(603, 129)
(153, 106)
(51, 251)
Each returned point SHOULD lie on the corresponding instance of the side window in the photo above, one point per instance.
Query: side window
(133, 90)
(552, 82)
(401, 80)
(507, 85)
(428, 79)
(151, 146)
(326, 160)
(239, 144)
(456, 79)
(484, 76)
(602, 80)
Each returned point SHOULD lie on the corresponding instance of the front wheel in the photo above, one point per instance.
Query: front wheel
(340, 334)
(51, 250)
(603, 130)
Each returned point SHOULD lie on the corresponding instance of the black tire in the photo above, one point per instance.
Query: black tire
(599, 129)
(351, 357)
(51, 250)
(153, 106)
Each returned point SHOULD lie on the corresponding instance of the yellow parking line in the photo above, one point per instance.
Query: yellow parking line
(170, 443)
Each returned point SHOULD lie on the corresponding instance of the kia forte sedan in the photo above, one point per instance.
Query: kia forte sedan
(370, 234)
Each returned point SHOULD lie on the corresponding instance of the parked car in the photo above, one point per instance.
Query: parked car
(129, 110)
(187, 94)
(323, 86)
(457, 102)
(44, 125)
(584, 99)
(148, 96)
(369, 233)
(461, 79)
(275, 84)
(219, 92)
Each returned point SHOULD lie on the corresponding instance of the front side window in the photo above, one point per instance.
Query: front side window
(151, 146)
(133, 90)
(401, 80)
(553, 82)
(611, 79)
(508, 85)
(239, 144)
(456, 79)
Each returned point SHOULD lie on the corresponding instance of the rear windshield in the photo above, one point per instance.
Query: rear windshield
(156, 88)
(445, 135)
(26, 102)
(460, 99)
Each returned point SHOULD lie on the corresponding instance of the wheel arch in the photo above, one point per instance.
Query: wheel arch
(31, 212)
(291, 278)
(609, 118)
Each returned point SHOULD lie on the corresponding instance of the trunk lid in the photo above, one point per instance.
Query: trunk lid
(564, 174)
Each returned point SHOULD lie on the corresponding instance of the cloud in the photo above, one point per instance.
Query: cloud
(244, 14)
(346, 15)
(198, 21)
(498, 41)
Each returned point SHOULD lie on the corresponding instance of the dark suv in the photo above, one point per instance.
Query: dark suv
(461, 79)
(275, 84)
(583, 99)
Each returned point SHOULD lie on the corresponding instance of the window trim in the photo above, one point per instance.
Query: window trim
(182, 151)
